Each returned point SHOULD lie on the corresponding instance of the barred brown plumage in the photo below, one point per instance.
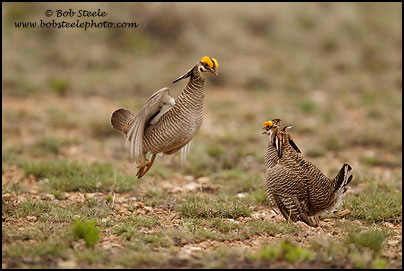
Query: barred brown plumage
(296, 186)
(164, 125)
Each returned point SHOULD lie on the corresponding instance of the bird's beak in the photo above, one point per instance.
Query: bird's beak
(214, 71)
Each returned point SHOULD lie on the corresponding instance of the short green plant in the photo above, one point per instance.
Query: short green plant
(109, 198)
(267, 253)
(372, 239)
(59, 86)
(376, 207)
(207, 207)
(379, 263)
(283, 251)
(295, 253)
(68, 176)
(86, 230)
(365, 248)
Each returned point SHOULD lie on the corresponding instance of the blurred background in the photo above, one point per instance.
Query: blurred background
(332, 70)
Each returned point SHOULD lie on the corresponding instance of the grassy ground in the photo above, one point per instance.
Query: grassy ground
(69, 194)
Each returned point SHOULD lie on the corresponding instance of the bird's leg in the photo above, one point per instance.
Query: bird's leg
(308, 220)
(141, 166)
(312, 221)
(148, 165)
(140, 171)
(316, 219)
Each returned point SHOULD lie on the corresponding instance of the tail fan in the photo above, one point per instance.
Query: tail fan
(343, 178)
(132, 127)
(121, 120)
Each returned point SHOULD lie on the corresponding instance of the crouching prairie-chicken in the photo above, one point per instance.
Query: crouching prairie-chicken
(294, 185)
(164, 124)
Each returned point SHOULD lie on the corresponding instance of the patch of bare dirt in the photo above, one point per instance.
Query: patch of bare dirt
(184, 184)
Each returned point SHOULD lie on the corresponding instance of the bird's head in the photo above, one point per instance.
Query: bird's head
(270, 125)
(207, 65)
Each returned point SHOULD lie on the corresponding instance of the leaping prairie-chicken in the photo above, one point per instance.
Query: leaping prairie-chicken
(164, 124)
(296, 186)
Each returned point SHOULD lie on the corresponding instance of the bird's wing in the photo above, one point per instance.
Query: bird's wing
(291, 207)
(151, 109)
(286, 183)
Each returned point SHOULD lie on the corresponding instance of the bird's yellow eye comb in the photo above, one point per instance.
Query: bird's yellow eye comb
(212, 62)
(216, 63)
(268, 124)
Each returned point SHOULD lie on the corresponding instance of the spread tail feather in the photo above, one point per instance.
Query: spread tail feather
(121, 120)
(132, 127)
(343, 178)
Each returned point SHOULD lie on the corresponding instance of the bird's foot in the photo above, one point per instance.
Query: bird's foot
(143, 169)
